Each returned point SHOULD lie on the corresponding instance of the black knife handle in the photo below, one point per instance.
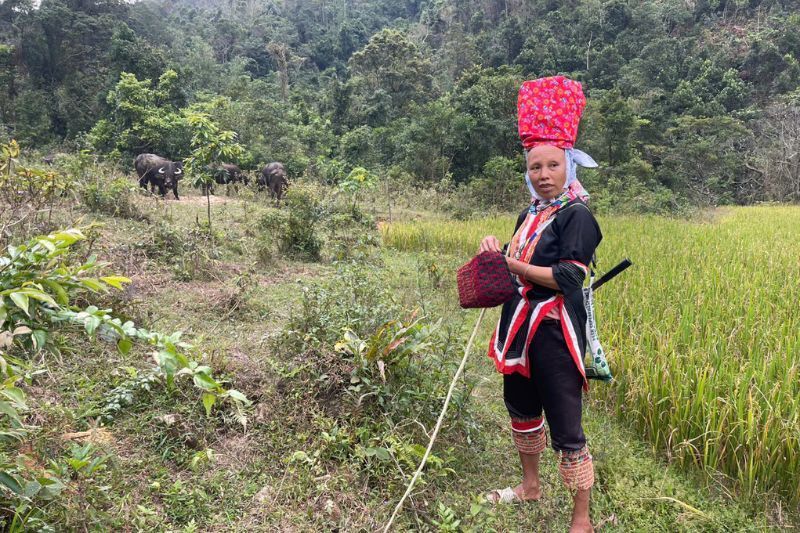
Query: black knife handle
(611, 274)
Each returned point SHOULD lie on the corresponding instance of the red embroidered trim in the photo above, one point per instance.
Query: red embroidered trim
(577, 469)
(532, 442)
(566, 322)
(526, 425)
(522, 368)
(584, 267)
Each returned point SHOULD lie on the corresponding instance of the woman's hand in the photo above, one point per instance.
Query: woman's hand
(490, 244)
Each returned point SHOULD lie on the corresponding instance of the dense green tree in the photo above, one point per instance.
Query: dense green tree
(705, 158)
(387, 76)
(7, 79)
(609, 128)
(426, 143)
(144, 118)
(488, 100)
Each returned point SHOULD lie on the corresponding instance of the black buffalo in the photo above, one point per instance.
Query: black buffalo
(231, 174)
(273, 177)
(228, 173)
(158, 172)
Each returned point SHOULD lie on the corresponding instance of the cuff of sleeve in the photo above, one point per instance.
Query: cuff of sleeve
(569, 275)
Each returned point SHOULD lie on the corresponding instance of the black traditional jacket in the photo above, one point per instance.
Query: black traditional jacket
(567, 244)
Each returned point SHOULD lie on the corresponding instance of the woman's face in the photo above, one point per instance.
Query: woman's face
(547, 168)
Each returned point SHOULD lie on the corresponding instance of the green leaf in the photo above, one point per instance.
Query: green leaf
(47, 244)
(14, 394)
(10, 482)
(68, 237)
(59, 291)
(166, 362)
(41, 296)
(380, 453)
(20, 299)
(8, 410)
(124, 346)
(208, 402)
(238, 396)
(31, 488)
(181, 359)
(116, 281)
(77, 464)
(204, 381)
(39, 337)
(3, 313)
(93, 284)
(91, 324)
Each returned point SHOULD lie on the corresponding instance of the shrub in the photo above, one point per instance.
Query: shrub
(312, 219)
(111, 197)
(301, 237)
(388, 366)
(39, 284)
(501, 186)
(265, 250)
(26, 192)
(190, 254)
(296, 232)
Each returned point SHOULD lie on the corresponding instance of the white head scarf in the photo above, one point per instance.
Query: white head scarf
(574, 158)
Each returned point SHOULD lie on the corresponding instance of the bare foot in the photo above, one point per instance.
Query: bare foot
(533, 493)
(581, 525)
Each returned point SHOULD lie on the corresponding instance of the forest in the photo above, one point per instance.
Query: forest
(691, 103)
(232, 359)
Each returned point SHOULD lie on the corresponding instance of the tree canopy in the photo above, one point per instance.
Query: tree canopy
(677, 90)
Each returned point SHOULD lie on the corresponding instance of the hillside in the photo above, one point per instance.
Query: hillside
(326, 443)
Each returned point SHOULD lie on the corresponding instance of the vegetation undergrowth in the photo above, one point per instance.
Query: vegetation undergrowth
(40, 281)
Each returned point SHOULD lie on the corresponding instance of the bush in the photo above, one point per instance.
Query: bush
(388, 366)
(296, 231)
(301, 237)
(501, 185)
(40, 284)
(190, 254)
(113, 197)
(26, 193)
(265, 250)
(311, 219)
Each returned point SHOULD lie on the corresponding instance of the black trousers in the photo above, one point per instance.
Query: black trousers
(555, 387)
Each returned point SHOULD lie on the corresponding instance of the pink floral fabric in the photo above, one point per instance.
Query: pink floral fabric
(549, 110)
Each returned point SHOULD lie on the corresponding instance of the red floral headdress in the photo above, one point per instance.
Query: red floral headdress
(549, 110)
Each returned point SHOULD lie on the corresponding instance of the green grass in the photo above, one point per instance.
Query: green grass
(153, 479)
(703, 335)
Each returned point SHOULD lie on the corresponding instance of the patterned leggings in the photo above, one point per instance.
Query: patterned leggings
(555, 389)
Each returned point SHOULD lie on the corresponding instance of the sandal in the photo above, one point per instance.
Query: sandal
(506, 495)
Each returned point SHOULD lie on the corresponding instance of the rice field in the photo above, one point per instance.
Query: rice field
(703, 335)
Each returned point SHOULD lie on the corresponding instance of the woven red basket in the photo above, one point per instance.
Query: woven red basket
(485, 281)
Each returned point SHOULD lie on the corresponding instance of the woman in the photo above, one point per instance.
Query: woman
(540, 338)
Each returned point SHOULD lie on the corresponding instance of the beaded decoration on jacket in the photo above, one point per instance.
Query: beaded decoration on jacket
(540, 215)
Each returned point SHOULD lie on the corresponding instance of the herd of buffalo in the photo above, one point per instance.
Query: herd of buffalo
(162, 174)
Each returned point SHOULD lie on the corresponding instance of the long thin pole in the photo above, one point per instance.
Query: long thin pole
(438, 422)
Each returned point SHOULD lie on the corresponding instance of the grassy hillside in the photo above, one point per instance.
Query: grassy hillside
(340, 414)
